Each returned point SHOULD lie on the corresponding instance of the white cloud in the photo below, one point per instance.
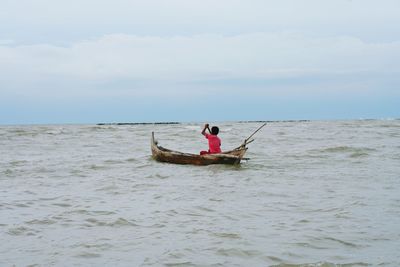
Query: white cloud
(61, 22)
(266, 51)
(179, 40)
(259, 55)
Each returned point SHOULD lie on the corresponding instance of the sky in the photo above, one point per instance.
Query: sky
(198, 61)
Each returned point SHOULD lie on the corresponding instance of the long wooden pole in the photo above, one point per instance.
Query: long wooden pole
(248, 138)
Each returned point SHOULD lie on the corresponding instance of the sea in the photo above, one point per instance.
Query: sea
(312, 193)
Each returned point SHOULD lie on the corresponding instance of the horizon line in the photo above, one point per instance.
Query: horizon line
(188, 122)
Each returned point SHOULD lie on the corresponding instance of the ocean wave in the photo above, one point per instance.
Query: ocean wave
(300, 201)
(322, 264)
(179, 264)
(193, 127)
(338, 149)
(238, 252)
(22, 231)
(101, 128)
(18, 163)
(227, 235)
(120, 222)
(88, 255)
(41, 222)
(353, 152)
(90, 212)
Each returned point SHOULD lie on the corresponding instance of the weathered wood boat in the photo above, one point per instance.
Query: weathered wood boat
(232, 157)
(162, 154)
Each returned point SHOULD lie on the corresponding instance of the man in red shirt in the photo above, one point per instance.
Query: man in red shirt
(214, 143)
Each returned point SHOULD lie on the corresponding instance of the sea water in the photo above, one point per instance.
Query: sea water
(314, 193)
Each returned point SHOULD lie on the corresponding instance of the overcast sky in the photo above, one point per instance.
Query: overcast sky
(185, 60)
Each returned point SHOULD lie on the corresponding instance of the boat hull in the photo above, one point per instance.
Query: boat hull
(166, 155)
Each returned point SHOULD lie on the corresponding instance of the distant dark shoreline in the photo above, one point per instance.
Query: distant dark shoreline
(196, 122)
(275, 121)
(137, 123)
(173, 122)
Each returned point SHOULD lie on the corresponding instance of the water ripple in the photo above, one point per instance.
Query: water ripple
(322, 193)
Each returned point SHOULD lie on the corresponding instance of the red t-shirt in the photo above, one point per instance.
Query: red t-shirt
(214, 143)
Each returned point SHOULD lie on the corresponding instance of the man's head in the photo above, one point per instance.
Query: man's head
(214, 130)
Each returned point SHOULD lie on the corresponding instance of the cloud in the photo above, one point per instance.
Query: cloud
(200, 57)
(128, 53)
(47, 21)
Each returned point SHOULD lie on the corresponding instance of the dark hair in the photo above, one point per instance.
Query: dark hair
(214, 130)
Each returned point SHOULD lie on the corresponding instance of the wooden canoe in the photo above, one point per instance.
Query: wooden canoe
(166, 155)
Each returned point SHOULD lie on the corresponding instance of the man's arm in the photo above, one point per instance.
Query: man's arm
(206, 126)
